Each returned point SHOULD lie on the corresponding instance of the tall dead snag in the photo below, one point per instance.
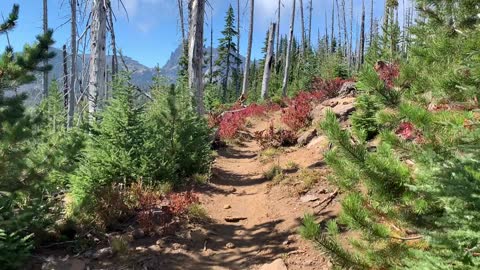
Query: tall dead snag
(98, 58)
(211, 46)
(268, 61)
(73, 68)
(310, 10)
(332, 34)
(277, 54)
(345, 35)
(238, 61)
(195, 52)
(65, 77)
(114, 43)
(362, 37)
(249, 48)
(182, 20)
(302, 22)
(289, 50)
(45, 62)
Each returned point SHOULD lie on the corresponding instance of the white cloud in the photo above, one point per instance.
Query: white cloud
(134, 6)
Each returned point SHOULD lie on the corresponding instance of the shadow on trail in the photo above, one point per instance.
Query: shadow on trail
(257, 245)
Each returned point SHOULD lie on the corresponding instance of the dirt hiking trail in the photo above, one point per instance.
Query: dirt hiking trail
(252, 222)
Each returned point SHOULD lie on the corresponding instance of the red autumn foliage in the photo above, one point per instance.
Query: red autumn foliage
(328, 88)
(296, 115)
(275, 138)
(406, 131)
(179, 202)
(157, 210)
(234, 119)
(387, 72)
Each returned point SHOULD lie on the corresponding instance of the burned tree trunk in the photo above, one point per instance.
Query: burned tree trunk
(268, 61)
(195, 53)
(45, 62)
(249, 48)
(289, 49)
(98, 58)
(310, 10)
(65, 77)
(302, 22)
(73, 68)
(277, 54)
(362, 37)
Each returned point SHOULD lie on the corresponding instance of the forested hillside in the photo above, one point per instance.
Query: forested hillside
(349, 142)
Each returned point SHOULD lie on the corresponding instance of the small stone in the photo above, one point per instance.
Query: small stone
(160, 242)
(227, 206)
(176, 246)
(141, 249)
(138, 234)
(230, 245)
(285, 243)
(155, 248)
(103, 253)
(278, 264)
(306, 137)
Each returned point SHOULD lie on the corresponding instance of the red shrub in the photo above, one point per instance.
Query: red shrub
(387, 72)
(296, 116)
(179, 202)
(406, 131)
(327, 88)
(234, 119)
(156, 210)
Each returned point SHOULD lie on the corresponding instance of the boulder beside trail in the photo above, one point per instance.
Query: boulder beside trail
(347, 89)
(306, 137)
(278, 264)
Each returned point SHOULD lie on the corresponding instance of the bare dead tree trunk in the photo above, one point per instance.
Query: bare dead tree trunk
(195, 53)
(114, 43)
(362, 37)
(310, 10)
(268, 61)
(332, 35)
(345, 36)
(327, 39)
(182, 20)
(339, 22)
(302, 22)
(211, 46)
(73, 68)
(289, 49)
(350, 43)
(45, 62)
(98, 34)
(249, 48)
(238, 71)
(277, 54)
(65, 77)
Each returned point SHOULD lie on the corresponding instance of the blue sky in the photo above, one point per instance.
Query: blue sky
(152, 30)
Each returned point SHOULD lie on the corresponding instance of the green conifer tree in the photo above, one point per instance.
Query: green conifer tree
(227, 54)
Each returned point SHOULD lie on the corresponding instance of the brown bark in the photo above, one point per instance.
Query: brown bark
(73, 68)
